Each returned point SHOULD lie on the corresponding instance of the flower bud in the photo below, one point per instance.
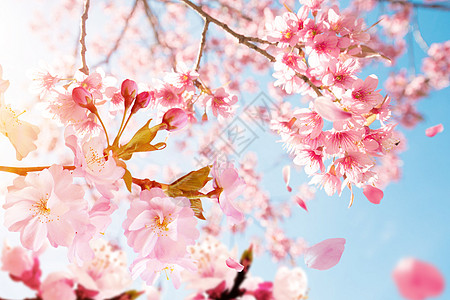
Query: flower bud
(128, 90)
(142, 101)
(175, 119)
(82, 97)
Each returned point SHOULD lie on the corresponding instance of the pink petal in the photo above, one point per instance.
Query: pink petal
(287, 177)
(417, 280)
(301, 203)
(432, 131)
(231, 263)
(373, 194)
(330, 111)
(325, 255)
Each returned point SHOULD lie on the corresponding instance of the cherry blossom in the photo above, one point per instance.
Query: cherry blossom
(46, 206)
(160, 226)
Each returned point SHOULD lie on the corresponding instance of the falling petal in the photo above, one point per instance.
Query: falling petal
(432, 131)
(417, 280)
(231, 263)
(287, 177)
(373, 194)
(301, 203)
(325, 255)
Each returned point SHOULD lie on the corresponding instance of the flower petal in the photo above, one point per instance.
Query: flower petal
(373, 194)
(325, 255)
(432, 131)
(231, 263)
(330, 111)
(417, 280)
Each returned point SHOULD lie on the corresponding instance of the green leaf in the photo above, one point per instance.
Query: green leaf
(196, 205)
(128, 179)
(191, 182)
(142, 137)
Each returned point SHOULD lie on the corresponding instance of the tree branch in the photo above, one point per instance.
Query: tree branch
(245, 40)
(154, 23)
(121, 35)
(419, 4)
(202, 45)
(84, 17)
(24, 170)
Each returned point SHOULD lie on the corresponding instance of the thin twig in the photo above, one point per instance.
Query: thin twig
(417, 35)
(154, 23)
(419, 4)
(120, 37)
(84, 17)
(244, 40)
(202, 45)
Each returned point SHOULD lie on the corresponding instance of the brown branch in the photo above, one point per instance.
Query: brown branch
(24, 170)
(154, 23)
(120, 37)
(84, 17)
(245, 40)
(156, 28)
(202, 45)
(419, 4)
(234, 10)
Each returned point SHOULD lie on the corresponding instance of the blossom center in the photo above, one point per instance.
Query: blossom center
(160, 225)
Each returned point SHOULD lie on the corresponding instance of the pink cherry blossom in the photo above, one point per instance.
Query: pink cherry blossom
(46, 205)
(209, 255)
(284, 30)
(221, 102)
(363, 96)
(21, 266)
(168, 96)
(226, 177)
(106, 274)
(149, 269)
(160, 226)
(98, 168)
(432, 131)
(418, 280)
(325, 255)
(290, 284)
(57, 286)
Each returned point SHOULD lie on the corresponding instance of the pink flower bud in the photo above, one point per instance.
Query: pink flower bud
(82, 97)
(128, 90)
(142, 101)
(175, 119)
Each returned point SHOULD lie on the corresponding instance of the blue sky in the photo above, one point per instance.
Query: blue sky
(412, 219)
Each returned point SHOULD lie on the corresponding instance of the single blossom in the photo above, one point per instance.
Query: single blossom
(57, 286)
(160, 227)
(46, 205)
(98, 168)
(290, 284)
(149, 269)
(21, 266)
(107, 274)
